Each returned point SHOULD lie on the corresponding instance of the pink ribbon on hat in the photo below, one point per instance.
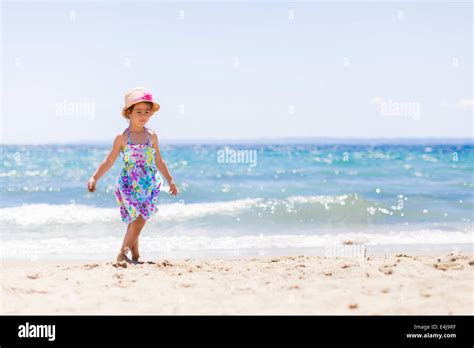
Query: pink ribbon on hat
(146, 96)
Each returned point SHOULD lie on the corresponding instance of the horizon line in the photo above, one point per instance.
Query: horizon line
(278, 140)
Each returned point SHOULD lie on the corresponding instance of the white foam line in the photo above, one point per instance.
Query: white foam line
(43, 214)
(152, 244)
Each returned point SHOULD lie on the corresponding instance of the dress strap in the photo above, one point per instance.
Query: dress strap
(128, 133)
(146, 132)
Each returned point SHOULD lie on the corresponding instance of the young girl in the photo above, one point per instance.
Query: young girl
(138, 185)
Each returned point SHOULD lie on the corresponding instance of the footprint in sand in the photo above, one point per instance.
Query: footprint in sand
(122, 284)
(448, 266)
(118, 264)
(34, 291)
(33, 276)
(386, 270)
(165, 263)
(185, 285)
(91, 266)
(403, 255)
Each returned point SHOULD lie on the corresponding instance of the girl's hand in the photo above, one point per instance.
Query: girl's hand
(173, 189)
(91, 184)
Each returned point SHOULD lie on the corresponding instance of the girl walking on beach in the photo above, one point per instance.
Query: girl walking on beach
(139, 183)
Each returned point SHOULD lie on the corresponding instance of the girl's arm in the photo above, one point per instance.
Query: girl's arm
(106, 163)
(162, 167)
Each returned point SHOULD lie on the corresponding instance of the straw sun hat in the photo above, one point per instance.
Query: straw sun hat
(137, 95)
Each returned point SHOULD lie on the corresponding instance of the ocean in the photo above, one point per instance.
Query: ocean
(242, 199)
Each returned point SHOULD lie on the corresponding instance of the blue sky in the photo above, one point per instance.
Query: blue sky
(237, 70)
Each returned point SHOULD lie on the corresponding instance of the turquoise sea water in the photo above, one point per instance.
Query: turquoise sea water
(281, 196)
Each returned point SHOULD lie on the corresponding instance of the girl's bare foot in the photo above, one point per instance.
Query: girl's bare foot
(135, 260)
(122, 256)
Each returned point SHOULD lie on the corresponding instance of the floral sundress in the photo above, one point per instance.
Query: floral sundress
(139, 182)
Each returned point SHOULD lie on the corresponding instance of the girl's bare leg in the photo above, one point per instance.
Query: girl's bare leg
(123, 251)
(133, 230)
(135, 252)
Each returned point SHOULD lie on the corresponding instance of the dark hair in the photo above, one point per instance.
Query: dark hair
(130, 109)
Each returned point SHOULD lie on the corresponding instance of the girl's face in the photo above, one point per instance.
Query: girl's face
(140, 114)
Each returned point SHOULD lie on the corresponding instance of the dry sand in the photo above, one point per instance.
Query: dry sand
(396, 284)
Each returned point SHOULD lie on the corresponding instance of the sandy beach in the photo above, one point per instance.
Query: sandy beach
(395, 284)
